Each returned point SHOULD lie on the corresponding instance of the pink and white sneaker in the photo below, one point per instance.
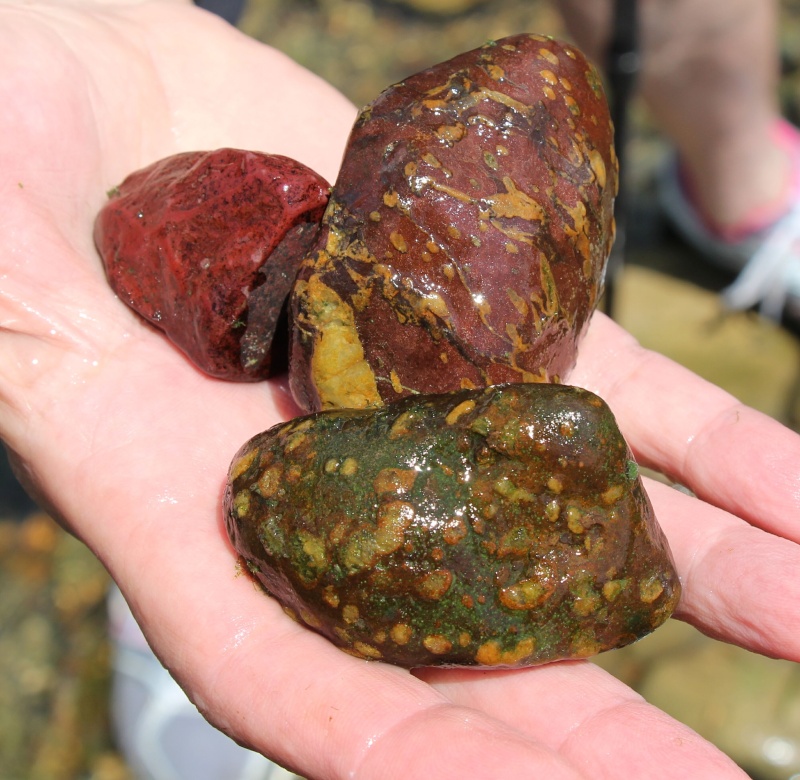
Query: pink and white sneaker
(765, 253)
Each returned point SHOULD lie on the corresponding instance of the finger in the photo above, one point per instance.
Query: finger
(592, 719)
(739, 583)
(728, 454)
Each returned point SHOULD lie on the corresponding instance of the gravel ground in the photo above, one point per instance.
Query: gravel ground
(53, 650)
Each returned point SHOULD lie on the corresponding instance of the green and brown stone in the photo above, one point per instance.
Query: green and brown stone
(498, 527)
(465, 240)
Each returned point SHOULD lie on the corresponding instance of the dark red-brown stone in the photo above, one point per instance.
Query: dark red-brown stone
(466, 237)
(187, 240)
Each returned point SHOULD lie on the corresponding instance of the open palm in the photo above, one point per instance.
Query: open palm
(128, 444)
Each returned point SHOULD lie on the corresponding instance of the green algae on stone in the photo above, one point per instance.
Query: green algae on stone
(497, 527)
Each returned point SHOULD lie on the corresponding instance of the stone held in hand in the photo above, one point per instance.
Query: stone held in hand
(189, 240)
(501, 527)
(467, 234)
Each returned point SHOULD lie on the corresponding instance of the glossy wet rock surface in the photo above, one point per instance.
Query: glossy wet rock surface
(467, 233)
(502, 527)
(206, 245)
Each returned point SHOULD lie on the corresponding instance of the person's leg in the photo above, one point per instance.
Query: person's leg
(709, 77)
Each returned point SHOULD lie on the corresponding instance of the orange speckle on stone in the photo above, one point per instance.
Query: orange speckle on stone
(598, 167)
(393, 480)
(549, 77)
(495, 72)
(433, 585)
(367, 651)
(552, 510)
(398, 242)
(401, 633)
(613, 588)
(465, 407)
(454, 531)
(490, 653)
(330, 596)
(526, 594)
(548, 55)
(270, 481)
(572, 105)
(242, 464)
(349, 467)
(614, 493)
(555, 485)
(451, 133)
(437, 644)
(574, 523)
(650, 590)
(397, 385)
(350, 613)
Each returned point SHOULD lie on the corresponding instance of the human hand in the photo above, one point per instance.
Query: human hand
(129, 444)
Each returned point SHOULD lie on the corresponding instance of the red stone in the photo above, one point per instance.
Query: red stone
(187, 240)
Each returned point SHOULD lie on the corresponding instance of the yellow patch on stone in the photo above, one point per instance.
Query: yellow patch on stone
(342, 376)
(490, 653)
(392, 480)
(241, 503)
(495, 72)
(526, 594)
(330, 596)
(398, 242)
(401, 633)
(454, 531)
(270, 480)
(598, 167)
(546, 54)
(437, 644)
(242, 464)
(394, 517)
(350, 613)
(367, 651)
(434, 584)
(451, 133)
(614, 493)
(514, 203)
(458, 411)
(349, 467)
(394, 379)
(650, 590)
(613, 588)
(517, 301)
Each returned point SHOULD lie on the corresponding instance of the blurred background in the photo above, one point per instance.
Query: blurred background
(54, 655)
